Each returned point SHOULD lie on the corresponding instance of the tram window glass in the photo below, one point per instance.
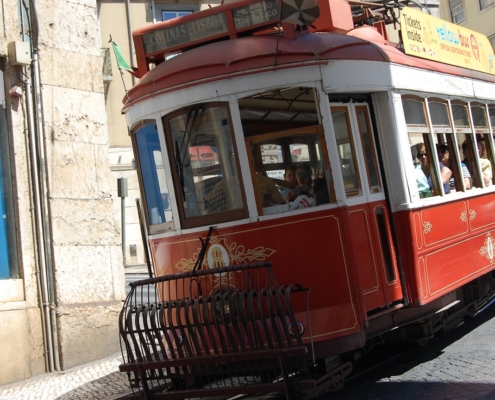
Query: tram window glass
(152, 174)
(304, 146)
(479, 117)
(367, 142)
(206, 171)
(491, 112)
(439, 114)
(347, 152)
(460, 115)
(414, 112)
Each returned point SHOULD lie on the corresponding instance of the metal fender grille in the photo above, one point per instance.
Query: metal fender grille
(212, 332)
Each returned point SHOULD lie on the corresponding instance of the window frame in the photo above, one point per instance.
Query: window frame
(351, 193)
(492, 2)
(379, 187)
(427, 133)
(217, 217)
(460, 5)
(254, 140)
(187, 12)
(152, 228)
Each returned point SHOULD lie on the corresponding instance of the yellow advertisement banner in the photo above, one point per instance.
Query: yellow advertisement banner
(438, 40)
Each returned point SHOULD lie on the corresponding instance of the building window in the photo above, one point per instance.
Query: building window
(167, 15)
(457, 10)
(8, 245)
(485, 3)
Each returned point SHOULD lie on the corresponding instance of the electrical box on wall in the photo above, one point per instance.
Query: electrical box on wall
(19, 53)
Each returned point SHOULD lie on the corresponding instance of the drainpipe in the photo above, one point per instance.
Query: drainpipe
(47, 239)
(34, 205)
(40, 194)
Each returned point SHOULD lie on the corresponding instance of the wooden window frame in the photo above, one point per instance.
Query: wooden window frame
(214, 218)
(309, 130)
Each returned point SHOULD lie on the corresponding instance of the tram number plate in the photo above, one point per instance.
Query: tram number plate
(332, 362)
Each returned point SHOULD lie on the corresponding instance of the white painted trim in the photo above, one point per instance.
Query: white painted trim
(11, 290)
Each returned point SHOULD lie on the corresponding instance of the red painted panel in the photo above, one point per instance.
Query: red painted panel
(448, 267)
(481, 212)
(363, 248)
(306, 249)
(442, 223)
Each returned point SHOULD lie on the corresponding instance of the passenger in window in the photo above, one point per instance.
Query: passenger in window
(421, 180)
(304, 183)
(446, 171)
(424, 165)
(269, 194)
(486, 167)
(290, 178)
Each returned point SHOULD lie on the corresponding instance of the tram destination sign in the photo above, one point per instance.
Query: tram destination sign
(194, 29)
(187, 32)
(438, 40)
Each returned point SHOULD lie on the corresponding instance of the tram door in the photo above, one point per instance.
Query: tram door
(367, 212)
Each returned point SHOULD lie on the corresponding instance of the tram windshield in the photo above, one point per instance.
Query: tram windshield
(152, 175)
(206, 175)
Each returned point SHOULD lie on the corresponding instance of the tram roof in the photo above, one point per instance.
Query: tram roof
(253, 54)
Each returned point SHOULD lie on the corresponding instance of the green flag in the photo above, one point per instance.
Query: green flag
(121, 62)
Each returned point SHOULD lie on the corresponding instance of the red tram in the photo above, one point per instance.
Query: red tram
(384, 257)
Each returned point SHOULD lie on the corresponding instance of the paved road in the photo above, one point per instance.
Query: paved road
(458, 365)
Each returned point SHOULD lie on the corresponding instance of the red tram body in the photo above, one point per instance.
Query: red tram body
(382, 261)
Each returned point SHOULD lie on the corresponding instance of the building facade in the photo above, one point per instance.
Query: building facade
(61, 276)
(477, 15)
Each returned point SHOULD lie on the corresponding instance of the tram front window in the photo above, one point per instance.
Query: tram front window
(205, 165)
(152, 174)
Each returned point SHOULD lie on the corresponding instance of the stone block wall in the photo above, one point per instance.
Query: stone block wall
(85, 236)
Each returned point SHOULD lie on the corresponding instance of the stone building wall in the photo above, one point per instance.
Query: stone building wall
(85, 238)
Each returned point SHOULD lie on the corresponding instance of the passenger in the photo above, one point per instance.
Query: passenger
(421, 180)
(446, 172)
(486, 166)
(269, 194)
(304, 183)
(423, 160)
(290, 178)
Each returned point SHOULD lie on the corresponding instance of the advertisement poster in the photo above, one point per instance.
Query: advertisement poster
(438, 40)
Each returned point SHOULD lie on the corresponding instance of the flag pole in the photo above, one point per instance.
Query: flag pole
(121, 64)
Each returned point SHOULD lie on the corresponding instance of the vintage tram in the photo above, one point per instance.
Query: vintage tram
(229, 99)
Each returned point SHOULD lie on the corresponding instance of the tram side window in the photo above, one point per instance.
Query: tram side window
(205, 165)
(152, 174)
(478, 151)
(421, 142)
(347, 152)
(459, 178)
(369, 151)
(471, 138)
